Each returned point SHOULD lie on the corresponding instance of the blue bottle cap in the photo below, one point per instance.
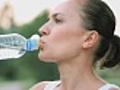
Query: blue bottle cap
(31, 44)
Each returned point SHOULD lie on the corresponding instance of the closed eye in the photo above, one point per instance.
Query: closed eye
(57, 20)
(56, 17)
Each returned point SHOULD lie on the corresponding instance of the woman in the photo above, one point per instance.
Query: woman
(78, 34)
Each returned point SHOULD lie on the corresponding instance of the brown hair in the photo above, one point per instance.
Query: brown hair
(99, 17)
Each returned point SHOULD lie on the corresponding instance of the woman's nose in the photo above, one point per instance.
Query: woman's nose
(44, 30)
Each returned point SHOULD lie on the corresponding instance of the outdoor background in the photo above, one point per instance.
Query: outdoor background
(26, 17)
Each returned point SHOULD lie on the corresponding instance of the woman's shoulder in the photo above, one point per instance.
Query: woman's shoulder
(39, 86)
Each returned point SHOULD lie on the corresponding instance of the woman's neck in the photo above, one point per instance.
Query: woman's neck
(77, 75)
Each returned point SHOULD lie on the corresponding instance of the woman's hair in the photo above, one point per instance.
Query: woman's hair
(99, 17)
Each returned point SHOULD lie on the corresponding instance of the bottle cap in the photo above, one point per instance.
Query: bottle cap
(32, 43)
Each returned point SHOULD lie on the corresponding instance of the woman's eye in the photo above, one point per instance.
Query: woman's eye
(58, 20)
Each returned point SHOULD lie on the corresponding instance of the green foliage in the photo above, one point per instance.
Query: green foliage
(111, 75)
(32, 27)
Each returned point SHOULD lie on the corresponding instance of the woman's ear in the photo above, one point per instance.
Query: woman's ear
(91, 38)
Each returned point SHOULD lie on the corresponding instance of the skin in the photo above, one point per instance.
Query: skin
(71, 47)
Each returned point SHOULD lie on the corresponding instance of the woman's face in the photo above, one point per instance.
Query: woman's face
(62, 34)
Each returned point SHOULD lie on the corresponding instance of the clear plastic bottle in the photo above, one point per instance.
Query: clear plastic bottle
(15, 45)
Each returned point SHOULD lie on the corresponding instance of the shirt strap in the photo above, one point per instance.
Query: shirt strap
(52, 85)
(108, 86)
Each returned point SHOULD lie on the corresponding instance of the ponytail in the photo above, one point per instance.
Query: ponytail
(112, 57)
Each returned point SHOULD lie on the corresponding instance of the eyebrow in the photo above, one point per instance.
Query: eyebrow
(55, 15)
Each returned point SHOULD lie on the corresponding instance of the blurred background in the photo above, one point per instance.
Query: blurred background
(26, 17)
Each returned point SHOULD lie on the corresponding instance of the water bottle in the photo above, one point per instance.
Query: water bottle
(15, 45)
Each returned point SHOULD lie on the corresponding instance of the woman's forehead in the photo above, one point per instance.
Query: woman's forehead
(66, 7)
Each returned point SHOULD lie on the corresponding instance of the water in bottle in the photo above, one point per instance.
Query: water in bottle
(15, 45)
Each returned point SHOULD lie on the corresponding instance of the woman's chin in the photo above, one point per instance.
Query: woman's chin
(47, 59)
(44, 57)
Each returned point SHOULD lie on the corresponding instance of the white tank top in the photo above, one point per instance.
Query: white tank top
(54, 84)
(108, 87)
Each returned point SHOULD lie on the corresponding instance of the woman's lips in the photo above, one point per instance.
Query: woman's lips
(41, 43)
